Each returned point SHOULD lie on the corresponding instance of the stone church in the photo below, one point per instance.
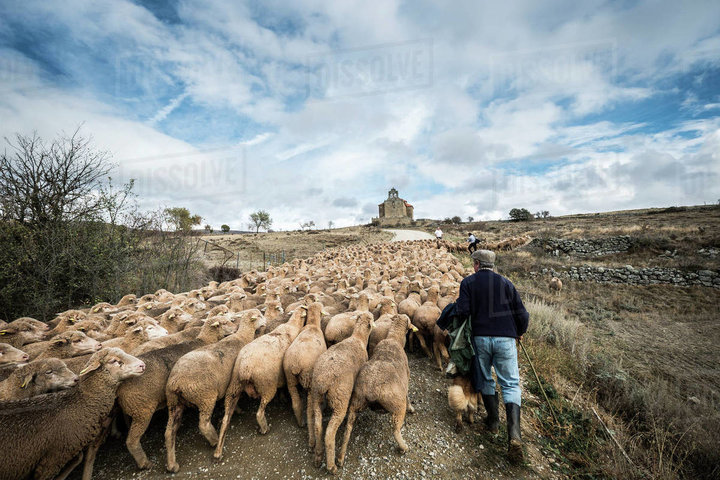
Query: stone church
(394, 211)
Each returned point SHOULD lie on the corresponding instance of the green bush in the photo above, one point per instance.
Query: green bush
(520, 214)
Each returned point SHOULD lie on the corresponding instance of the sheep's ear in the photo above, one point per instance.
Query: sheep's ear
(93, 364)
(263, 308)
(137, 329)
(59, 341)
(28, 378)
(4, 332)
(215, 324)
(171, 315)
(324, 312)
(81, 329)
(130, 321)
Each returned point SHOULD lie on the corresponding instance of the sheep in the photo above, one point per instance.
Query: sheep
(168, 340)
(140, 397)
(174, 320)
(139, 334)
(333, 378)
(382, 323)
(10, 355)
(65, 345)
(93, 326)
(425, 317)
(62, 424)
(341, 326)
(37, 377)
(22, 331)
(384, 380)
(258, 371)
(555, 284)
(462, 399)
(300, 358)
(200, 378)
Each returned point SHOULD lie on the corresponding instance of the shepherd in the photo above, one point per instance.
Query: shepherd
(499, 320)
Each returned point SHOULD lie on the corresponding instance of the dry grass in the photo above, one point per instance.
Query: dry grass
(253, 247)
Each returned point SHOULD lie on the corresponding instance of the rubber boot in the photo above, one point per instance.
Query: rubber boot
(492, 421)
(515, 452)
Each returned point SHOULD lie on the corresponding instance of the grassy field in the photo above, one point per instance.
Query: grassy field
(274, 246)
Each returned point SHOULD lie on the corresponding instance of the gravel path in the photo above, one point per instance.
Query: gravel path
(401, 235)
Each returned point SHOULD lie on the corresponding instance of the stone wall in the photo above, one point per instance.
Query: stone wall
(584, 247)
(638, 276)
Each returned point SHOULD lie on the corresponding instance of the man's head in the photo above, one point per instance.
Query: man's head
(483, 259)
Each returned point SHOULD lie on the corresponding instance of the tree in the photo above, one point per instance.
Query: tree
(520, 214)
(180, 218)
(208, 229)
(542, 214)
(330, 224)
(456, 219)
(307, 225)
(260, 219)
(471, 219)
(225, 228)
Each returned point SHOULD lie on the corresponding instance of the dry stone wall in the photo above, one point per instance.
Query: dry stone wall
(584, 247)
(638, 276)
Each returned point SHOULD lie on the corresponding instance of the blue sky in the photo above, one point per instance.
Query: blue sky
(314, 110)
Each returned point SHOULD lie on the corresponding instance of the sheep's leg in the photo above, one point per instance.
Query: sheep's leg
(138, 426)
(317, 419)
(205, 423)
(356, 406)
(174, 419)
(398, 419)
(231, 399)
(260, 415)
(423, 344)
(337, 417)
(68, 468)
(310, 422)
(92, 449)
(436, 354)
(296, 400)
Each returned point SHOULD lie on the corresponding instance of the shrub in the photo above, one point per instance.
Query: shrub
(520, 214)
(223, 274)
(225, 228)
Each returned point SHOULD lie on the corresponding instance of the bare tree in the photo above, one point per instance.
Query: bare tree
(59, 182)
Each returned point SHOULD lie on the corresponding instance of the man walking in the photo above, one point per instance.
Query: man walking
(498, 319)
(472, 243)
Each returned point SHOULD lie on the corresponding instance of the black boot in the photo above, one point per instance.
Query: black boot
(492, 421)
(515, 452)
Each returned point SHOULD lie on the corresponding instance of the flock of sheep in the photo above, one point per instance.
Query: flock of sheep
(332, 328)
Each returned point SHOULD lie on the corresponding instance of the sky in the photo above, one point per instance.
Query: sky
(313, 110)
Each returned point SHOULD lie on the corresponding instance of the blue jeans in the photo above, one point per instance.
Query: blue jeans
(501, 353)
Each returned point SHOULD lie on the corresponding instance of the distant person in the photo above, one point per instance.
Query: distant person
(438, 234)
(472, 243)
(498, 319)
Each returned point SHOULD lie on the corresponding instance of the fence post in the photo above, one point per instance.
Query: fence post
(263, 269)
(237, 261)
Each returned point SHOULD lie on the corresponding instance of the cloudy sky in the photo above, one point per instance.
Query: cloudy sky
(314, 109)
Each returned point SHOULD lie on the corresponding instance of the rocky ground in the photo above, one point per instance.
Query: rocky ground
(436, 450)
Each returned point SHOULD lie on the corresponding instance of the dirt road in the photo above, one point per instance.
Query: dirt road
(401, 235)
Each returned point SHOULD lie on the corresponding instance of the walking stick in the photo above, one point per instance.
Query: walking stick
(540, 383)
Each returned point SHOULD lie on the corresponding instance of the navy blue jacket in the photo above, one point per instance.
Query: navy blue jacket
(493, 304)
